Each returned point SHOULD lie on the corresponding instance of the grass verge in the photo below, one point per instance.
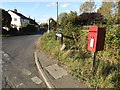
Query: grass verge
(79, 62)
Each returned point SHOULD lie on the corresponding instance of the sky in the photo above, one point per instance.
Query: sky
(42, 11)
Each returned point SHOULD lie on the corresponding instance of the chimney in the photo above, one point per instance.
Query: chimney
(29, 17)
(15, 10)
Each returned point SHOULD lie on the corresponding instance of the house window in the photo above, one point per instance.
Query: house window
(15, 19)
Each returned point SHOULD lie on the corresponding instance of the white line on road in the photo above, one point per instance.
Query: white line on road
(3, 52)
(26, 72)
(19, 85)
(6, 55)
(46, 80)
(36, 80)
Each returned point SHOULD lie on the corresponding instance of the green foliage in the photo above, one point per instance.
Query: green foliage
(112, 49)
(10, 32)
(91, 18)
(106, 9)
(13, 31)
(83, 19)
(76, 56)
(72, 13)
(48, 41)
(88, 7)
(65, 18)
(74, 20)
(53, 24)
(28, 28)
(79, 60)
(6, 18)
(110, 11)
(62, 17)
(44, 25)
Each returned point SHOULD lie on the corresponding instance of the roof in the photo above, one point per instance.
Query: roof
(22, 16)
(19, 14)
(33, 21)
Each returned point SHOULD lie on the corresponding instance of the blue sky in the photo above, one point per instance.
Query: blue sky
(42, 11)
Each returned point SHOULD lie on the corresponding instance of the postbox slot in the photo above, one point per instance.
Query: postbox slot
(92, 37)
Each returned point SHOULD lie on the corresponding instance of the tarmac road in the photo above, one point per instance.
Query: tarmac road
(18, 64)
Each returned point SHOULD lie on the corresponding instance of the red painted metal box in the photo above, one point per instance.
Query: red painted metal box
(96, 38)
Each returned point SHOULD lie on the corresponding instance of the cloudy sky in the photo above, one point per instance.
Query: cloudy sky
(42, 11)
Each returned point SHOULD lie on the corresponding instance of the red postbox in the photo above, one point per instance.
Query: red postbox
(96, 38)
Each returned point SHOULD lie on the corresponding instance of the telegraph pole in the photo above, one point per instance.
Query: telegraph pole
(57, 14)
(48, 26)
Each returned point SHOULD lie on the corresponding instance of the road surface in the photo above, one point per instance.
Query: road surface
(18, 66)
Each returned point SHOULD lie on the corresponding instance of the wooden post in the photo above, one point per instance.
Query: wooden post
(61, 39)
(48, 27)
(55, 37)
(94, 63)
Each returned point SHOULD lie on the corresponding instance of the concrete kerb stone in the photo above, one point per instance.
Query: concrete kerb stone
(41, 72)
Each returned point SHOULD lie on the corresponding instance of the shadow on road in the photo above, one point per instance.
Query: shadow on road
(41, 32)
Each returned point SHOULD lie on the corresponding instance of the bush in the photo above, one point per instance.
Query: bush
(79, 60)
(4, 31)
(91, 18)
(13, 31)
(28, 29)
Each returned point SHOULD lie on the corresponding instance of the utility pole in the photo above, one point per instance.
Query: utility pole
(48, 26)
(57, 14)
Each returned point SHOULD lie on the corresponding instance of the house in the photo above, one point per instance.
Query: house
(34, 23)
(18, 20)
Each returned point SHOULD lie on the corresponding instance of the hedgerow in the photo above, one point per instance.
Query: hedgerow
(79, 60)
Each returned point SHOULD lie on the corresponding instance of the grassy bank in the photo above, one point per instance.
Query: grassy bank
(79, 60)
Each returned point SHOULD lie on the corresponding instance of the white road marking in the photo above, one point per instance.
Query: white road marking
(3, 62)
(26, 72)
(6, 55)
(36, 80)
(0, 61)
(8, 59)
(14, 77)
(19, 85)
(3, 52)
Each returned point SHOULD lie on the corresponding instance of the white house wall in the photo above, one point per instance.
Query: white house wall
(17, 22)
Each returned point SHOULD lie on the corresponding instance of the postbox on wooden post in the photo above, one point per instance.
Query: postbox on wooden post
(96, 39)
